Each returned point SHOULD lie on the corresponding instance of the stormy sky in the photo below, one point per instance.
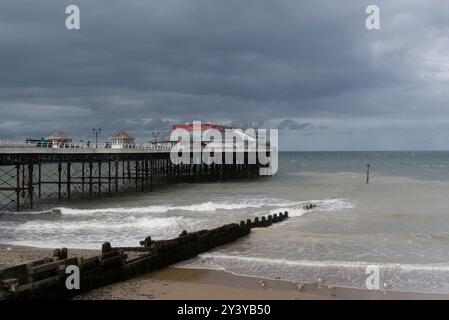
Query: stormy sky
(309, 68)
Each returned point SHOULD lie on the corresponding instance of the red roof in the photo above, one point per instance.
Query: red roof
(204, 127)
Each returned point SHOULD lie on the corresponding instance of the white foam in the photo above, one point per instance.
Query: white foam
(326, 205)
(329, 263)
(95, 225)
(210, 206)
(148, 209)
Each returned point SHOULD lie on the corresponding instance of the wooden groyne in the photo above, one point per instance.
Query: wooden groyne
(46, 278)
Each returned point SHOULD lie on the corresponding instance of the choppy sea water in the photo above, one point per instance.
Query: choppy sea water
(399, 222)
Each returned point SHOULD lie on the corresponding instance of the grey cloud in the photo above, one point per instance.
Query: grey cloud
(142, 65)
(293, 125)
(346, 131)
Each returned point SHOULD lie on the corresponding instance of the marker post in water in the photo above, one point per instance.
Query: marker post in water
(367, 173)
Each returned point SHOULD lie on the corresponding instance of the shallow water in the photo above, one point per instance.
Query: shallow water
(399, 222)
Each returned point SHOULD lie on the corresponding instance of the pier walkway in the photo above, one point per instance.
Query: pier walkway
(31, 174)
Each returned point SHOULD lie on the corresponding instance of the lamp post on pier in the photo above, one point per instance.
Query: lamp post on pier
(155, 136)
(96, 133)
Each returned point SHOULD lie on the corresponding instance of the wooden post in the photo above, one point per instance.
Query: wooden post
(367, 173)
(68, 180)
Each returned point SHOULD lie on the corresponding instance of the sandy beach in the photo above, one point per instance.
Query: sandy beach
(175, 283)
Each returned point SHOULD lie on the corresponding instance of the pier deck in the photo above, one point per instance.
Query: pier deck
(30, 175)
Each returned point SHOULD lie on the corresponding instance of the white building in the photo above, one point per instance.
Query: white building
(59, 138)
(122, 140)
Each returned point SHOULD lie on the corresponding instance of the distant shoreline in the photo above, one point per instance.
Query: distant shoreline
(185, 283)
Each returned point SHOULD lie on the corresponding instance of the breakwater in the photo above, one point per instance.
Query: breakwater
(46, 278)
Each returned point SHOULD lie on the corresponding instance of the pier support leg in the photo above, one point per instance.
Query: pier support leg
(59, 181)
(82, 177)
(69, 186)
(116, 176)
(18, 187)
(109, 178)
(90, 180)
(39, 183)
(99, 180)
(151, 175)
(147, 178)
(30, 184)
(137, 176)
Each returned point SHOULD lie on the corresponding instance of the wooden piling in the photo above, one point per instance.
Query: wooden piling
(367, 173)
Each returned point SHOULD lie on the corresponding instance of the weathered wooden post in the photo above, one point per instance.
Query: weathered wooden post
(367, 173)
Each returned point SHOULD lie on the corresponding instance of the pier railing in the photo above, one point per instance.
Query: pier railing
(84, 145)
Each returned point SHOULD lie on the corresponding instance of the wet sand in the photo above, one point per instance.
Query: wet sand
(190, 284)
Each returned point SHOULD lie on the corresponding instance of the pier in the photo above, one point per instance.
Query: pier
(32, 174)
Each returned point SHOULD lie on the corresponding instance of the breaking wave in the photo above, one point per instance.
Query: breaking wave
(327, 205)
(92, 225)
(432, 277)
(295, 209)
(209, 206)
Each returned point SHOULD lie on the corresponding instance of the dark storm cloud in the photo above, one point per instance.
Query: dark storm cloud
(141, 65)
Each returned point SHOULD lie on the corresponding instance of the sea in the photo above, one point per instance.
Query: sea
(395, 229)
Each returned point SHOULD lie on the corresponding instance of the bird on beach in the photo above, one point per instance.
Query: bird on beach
(262, 283)
(320, 281)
